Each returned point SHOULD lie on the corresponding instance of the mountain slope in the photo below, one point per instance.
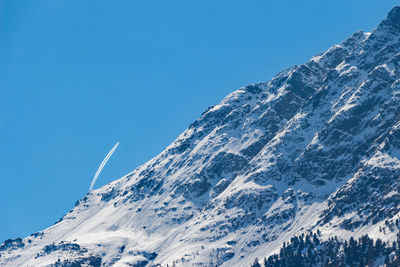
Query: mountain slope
(317, 147)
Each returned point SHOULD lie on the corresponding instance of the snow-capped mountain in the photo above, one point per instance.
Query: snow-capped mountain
(316, 147)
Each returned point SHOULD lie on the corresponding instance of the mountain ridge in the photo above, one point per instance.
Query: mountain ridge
(316, 147)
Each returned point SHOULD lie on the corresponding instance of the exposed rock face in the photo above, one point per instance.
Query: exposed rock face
(317, 147)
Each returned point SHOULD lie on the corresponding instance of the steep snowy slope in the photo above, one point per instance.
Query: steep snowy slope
(317, 147)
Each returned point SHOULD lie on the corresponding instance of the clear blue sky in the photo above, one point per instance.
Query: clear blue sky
(78, 76)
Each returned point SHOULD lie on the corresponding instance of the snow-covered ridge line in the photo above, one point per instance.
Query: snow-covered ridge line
(316, 147)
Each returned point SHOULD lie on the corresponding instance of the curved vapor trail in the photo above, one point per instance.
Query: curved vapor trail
(102, 165)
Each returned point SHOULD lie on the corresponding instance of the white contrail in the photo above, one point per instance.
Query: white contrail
(102, 165)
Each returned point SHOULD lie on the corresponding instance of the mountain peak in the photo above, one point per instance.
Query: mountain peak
(315, 149)
(393, 18)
